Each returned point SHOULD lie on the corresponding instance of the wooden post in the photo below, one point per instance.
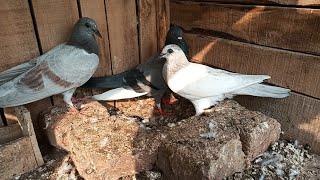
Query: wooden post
(25, 122)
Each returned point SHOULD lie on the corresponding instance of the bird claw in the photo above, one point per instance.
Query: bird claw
(170, 100)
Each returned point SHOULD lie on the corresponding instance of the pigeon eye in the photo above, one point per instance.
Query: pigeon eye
(170, 51)
(87, 25)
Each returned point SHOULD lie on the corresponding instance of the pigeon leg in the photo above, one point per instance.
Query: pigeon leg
(170, 100)
(67, 96)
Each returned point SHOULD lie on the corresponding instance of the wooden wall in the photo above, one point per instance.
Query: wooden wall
(276, 37)
(132, 30)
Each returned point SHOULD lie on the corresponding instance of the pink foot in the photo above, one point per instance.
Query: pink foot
(170, 100)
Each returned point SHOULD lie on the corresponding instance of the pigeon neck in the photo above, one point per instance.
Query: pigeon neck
(84, 41)
(174, 65)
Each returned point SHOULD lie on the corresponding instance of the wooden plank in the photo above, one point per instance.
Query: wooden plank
(55, 20)
(298, 115)
(16, 34)
(163, 21)
(16, 158)
(25, 121)
(10, 133)
(297, 71)
(148, 33)
(123, 34)
(282, 27)
(95, 9)
(10, 115)
(315, 3)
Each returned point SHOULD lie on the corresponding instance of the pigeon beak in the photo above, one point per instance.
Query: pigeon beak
(162, 54)
(96, 31)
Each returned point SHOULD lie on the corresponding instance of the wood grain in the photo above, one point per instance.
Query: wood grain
(315, 3)
(282, 27)
(19, 42)
(16, 158)
(24, 118)
(163, 21)
(95, 9)
(55, 20)
(148, 33)
(10, 133)
(298, 115)
(122, 24)
(300, 72)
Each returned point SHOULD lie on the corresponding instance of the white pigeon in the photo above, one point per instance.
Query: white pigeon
(205, 86)
(60, 70)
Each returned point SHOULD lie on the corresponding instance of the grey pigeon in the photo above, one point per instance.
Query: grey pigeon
(205, 86)
(145, 79)
(60, 70)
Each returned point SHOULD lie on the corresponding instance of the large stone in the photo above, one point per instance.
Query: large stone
(191, 150)
(102, 147)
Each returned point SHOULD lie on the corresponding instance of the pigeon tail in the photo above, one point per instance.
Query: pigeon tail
(118, 94)
(262, 90)
(114, 81)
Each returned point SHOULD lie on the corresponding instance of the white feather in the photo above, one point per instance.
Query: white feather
(117, 94)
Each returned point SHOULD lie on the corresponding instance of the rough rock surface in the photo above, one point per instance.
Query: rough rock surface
(191, 152)
(101, 147)
(211, 146)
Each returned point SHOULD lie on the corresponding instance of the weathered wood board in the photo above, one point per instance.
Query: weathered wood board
(269, 2)
(300, 72)
(55, 20)
(95, 9)
(163, 21)
(147, 14)
(122, 26)
(294, 29)
(298, 115)
(17, 35)
(10, 133)
(16, 158)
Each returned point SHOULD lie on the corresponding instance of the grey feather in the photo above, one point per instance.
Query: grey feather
(60, 70)
(144, 79)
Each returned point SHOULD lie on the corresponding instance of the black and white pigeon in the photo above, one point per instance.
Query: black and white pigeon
(205, 86)
(60, 70)
(145, 79)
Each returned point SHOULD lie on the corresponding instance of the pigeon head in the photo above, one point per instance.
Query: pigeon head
(87, 26)
(172, 52)
(175, 36)
(83, 35)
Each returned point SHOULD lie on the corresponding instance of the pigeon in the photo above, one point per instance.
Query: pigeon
(145, 79)
(61, 70)
(205, 86)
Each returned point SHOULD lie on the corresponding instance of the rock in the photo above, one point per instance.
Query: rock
(212, 146)
(184, 154)
(103, 148)
(257, 131)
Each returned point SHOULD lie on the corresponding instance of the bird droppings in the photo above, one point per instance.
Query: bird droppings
(283, 160)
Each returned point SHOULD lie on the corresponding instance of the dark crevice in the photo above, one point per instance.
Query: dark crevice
(108, 35)
(79, 8)
(138, 28)
(110, 57)
(227, 36)
(35, 27)
(3, 117)
(266, 4)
